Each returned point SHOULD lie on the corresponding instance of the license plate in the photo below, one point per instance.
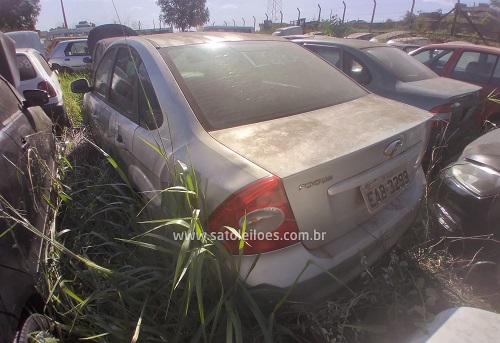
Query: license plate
(382, 189)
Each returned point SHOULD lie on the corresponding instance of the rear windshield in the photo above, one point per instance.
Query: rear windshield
(236, 83)
(402, 65)
(26, 69)
(42, 62)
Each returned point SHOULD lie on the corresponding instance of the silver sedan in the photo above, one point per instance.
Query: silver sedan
(319, 170)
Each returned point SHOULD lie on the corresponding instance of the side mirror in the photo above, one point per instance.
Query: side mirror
(80, 86)
(35, 97)
(87, 60)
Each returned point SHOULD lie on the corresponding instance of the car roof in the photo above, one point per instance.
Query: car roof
(470, 46)
(355, 43)
(187, 38)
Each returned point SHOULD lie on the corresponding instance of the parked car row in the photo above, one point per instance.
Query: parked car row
(318, 156)
(391, 73)
(263, 138)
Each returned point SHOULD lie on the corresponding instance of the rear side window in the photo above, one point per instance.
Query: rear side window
(76, 49)
(331, 54)
(26, 69)
(236, 83)
(434, 59)
(475, 67)
(42, 62)
(399, 63)
(356, 69)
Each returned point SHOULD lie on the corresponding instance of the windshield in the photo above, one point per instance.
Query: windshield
(237, 83)
(402, 65)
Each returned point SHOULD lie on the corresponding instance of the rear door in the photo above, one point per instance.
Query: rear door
(482, 69)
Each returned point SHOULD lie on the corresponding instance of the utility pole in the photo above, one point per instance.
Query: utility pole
(64, 15)
(411, 13)
(319, 14)
(243, 21)
(373, 14)
(343, 14)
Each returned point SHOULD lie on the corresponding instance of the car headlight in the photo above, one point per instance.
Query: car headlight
(479, 179)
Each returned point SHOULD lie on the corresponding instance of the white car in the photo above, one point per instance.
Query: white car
(35, 73)
(320, 170)
(70, 56)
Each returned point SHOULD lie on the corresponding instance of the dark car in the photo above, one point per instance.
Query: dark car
(27, 150)
(466, 199)
(389, 72)
(476, 64)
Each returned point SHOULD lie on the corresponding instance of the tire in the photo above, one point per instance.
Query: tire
(35, 323)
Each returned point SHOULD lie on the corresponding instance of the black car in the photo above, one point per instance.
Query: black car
(466, 196)
(27, 150)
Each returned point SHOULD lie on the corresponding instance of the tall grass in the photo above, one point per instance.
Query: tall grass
(112, 275)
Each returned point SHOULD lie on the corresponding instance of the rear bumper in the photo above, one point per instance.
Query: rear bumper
(330, 267)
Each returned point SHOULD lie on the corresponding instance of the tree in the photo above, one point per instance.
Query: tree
(184, 14)
(408, 18)
(19, 14)
(495, 4)
(333, 27)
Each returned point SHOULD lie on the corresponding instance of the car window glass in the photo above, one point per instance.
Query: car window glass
(123, 83)
(236, 83)
(42, 62)
(9, 103)
(400, 64)
(330, 53)
(103, 73)
(356, 69)
(26, 69)
(150, 115)
(474, 67)
(495, 80)
(435, 59)
(76, 49)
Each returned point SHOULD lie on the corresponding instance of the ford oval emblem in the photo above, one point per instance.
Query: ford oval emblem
(391, 149)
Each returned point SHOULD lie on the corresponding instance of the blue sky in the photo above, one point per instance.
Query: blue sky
(131, 12)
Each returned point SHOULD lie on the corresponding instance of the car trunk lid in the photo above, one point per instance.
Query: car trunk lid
(327, 156)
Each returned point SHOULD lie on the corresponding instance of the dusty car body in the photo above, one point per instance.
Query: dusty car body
(391, 73)
(70, 56)
(282, 150)
(27, 151)
(475, 64)
(466, 196)
(27, 40)
(35, 73)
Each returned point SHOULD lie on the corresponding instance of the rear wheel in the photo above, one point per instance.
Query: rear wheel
(36, 328)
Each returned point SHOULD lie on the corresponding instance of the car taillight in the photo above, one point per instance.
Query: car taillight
(442, 116)
(46, 86)
(270, 224)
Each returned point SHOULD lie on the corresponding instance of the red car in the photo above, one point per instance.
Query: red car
(476, 64)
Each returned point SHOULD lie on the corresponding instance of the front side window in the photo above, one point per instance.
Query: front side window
(123, 83)
(475, 67)
(103, 73)
(9, 103)
(236, 83)
(400, 64)
(434, 59)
